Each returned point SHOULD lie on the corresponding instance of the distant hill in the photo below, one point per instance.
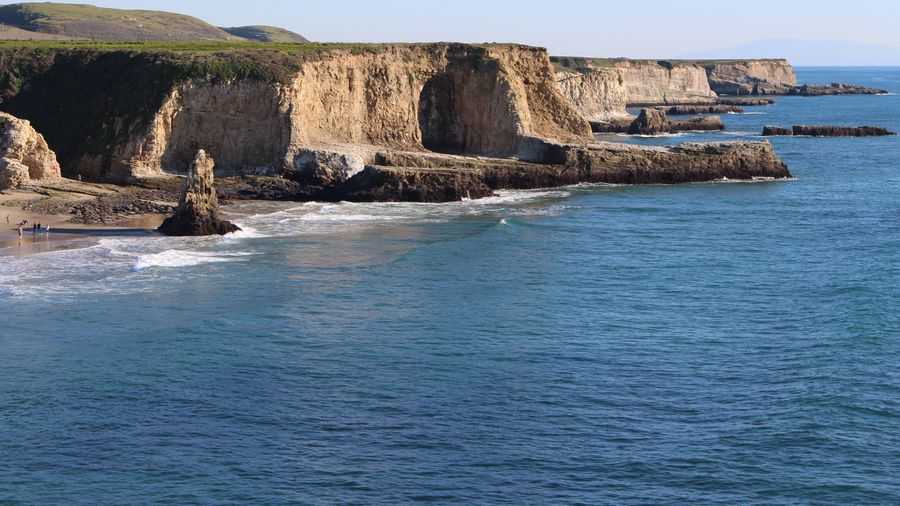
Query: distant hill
(265, 34)
(76, 21)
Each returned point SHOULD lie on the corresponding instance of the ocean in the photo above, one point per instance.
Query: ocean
(724, 343)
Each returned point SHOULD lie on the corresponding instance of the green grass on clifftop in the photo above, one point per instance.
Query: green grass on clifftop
(89, 22)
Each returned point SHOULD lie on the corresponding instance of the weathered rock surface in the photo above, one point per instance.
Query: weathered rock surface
(828, 131)
(650, 122)
(750, 77)
(198, 210)
(412, 184)
(483, 100)
(598, 93)
(24, 154)
(655, 121)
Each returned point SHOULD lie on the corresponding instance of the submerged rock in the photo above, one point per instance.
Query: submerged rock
(198, 210)
(24, 154)
(827, 131)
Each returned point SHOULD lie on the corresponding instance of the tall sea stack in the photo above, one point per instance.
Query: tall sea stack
(198, 210)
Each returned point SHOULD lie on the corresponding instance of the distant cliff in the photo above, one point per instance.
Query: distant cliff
(750, 77)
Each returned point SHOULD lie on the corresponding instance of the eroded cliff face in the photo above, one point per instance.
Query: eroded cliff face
(665, 83)
(751, 77)
(602, 89)
(599, 94)
(480, 100)
(24, 154)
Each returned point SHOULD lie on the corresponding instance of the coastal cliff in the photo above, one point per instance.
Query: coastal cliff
(603, 88)
(750, 77)
(423, 122)
(256, 111)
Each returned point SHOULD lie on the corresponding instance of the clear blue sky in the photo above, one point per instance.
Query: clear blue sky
(813, 32)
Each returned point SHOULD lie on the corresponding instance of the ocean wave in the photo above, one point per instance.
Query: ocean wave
(183, 258)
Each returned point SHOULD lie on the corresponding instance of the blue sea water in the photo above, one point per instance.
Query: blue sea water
(723, 343)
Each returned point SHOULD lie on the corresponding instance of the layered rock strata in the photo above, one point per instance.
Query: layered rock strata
(484, 100)
(198, 209)
(427, 122)
(24, 154)
(827, 131)
(750, 77)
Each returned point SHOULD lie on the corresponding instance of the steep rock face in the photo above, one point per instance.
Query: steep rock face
(198, 210)
(751, 77)
(598, 94)
(482, 100)
(665, 83)
(24, 154)
(601, 89)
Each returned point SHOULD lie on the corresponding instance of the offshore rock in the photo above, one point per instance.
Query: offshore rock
(828, 131)
(745, 102)
(809, 90)
(771, 131)
(650, 122)
(198, 210)
(24, 154)
(680, 110)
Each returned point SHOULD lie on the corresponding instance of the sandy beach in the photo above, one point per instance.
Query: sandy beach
(18, 206)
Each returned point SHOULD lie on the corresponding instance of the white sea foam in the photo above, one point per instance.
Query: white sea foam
(181, 258)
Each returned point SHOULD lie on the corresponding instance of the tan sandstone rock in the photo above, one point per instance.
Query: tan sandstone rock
(24, 154)
(198, 210)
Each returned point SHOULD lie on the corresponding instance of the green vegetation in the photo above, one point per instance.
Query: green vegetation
(265, 34)
(75, 21)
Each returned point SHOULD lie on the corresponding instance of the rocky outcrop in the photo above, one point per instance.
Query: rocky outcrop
(750, 77)
(650, 122)
(828, 131)
(198, 209)
(412, 184)
(24, 154)
(615, 163)
(655, 121)
(745, 102)
(680, 110)
(811, 90)
(771, 131)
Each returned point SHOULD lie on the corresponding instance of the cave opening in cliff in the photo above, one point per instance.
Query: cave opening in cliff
(439, 121)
